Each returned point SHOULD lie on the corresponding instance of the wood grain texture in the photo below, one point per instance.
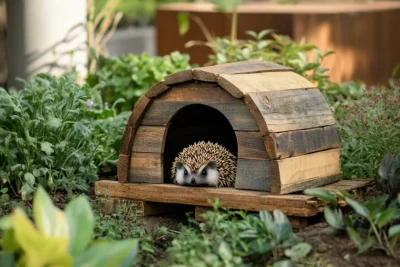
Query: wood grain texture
(212, 73)
(241, 84)
(281, 111)
(161, 112)
(123, 168)
(127, 140)
(296, 143)
(291, 205)
(251, 145)
(179, 77)
(297, 173)
(253, 175)
(157, 89)
(149, 139)
(146, 168)
(138, 111)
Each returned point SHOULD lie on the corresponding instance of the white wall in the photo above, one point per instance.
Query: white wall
(41, 35)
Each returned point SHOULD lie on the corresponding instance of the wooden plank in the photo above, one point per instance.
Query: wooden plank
(292, 205)
(127, 140)
(149, 139)
(297, 173)
(242, 84)
(349, 185)
(139, 110)
(123, 168)
(251, 145)
(179, 77)
(146, 168)
(281, 111)
(199, 92)
(253, 175)
(157, 89)
(211, 73)
(161, 112)
(296, 143)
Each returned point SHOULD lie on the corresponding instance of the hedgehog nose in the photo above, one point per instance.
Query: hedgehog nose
(193, 181)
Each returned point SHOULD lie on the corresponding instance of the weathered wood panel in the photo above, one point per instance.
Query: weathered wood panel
(149, 139)
(157, 89)
(139, 110)
(241, 84)
(146, 168)
(281, 111)
(253, 175)
(179, 77)
(251, 145)
(296, 143)
(297, 173)
(212, 73)
(123, 168)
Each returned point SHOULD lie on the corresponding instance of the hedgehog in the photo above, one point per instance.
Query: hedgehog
(204, 164)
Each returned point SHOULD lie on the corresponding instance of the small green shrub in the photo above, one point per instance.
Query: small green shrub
(234, 238)
(379, 220)
(369, 128)
(59, 238)
(46, 137)
(130, 76)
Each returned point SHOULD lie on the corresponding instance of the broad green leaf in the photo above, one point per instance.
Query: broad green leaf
(333, 218)
(354, 236)
(224, 251)
(7, 259)
(6, 222)
(49, 219)
(29, 178)
(283, 226)
(117, 253)
(284, 263)
(183, 22)
(26, 191)
(358, 208)
(322, 194)
(394, 231)
(47, 148)
(385, 166)
(81, 224)
(385, 217)
(299, 251)
(54, 122)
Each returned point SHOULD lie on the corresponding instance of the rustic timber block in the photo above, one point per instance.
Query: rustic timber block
(275, 122)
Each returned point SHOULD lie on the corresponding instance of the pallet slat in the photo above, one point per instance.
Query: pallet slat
(253, 175)
(146, 168)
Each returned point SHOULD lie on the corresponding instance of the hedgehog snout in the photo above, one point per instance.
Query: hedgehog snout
(193, 181)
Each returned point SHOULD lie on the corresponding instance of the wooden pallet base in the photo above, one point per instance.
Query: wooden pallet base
(166, 198)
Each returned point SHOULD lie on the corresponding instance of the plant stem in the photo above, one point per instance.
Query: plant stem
(234, 25)
(376, 232)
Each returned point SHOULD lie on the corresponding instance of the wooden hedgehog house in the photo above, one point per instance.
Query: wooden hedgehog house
(276, 122)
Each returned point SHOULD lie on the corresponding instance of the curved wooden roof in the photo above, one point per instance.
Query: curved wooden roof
(290, 112)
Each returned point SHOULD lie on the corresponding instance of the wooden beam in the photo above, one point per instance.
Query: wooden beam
(242, 84)
(298, 173)
(179, 77)
(157, 89)
(281, 111)
(251, 145)
(149, 139)
(296, 205)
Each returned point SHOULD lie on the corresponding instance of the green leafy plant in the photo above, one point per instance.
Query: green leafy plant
(233, 238)
(380, 220)
(389, 172)
(130, 76)
(46, 137)
(369, 129)
(59, 238)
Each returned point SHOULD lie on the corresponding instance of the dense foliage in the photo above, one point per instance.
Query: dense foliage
(46, 137)
(234, 238)
(59, 238)
(380, 221)
(369, 128)
(130, 76)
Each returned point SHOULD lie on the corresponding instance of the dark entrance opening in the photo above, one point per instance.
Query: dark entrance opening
(192, 124)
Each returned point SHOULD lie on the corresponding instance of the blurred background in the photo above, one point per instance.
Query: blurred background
(361, 33)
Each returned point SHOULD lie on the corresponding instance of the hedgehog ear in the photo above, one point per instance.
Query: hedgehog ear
(212, 165)
(179, 165)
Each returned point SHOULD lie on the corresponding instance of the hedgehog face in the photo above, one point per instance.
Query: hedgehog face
(207, 174)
